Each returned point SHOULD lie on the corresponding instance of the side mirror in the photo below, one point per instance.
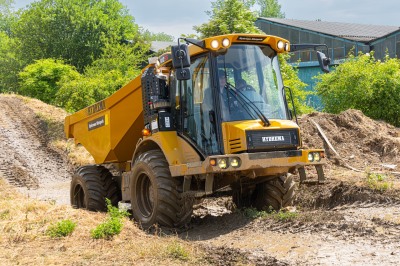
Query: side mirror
(323, 61)
(181, 61)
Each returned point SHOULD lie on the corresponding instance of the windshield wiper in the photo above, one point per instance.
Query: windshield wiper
(242, 98)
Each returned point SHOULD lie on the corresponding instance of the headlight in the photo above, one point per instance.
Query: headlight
(226, 42)
(215, 44)
(223, 163)
(311, 157)
(234, 162)
(317, 157)
(280, 45)
(287, 47)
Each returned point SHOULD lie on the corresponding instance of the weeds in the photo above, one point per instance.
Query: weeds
(61, 229)
(254, 213)
(112, 226)
(4, 215)
(176, 251)
(282, 216)
(285, 216)
(379, 182)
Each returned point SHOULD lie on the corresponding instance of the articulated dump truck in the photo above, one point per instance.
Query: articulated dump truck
(210, 116)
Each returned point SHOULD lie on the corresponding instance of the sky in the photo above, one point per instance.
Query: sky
(176, 17)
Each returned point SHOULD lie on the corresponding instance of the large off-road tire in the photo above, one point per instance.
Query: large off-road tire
(156, 196)
(91, 185)
(277, 193)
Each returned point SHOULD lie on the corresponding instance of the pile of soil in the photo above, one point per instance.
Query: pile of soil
(360, 141)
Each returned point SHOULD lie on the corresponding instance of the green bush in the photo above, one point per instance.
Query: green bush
(112, 226)
(42, 79)
(62, 228)
(117, 66)
(366, 84)
(10, 65)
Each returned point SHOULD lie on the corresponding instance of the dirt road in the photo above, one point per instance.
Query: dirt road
(343, 222)
(26, 161)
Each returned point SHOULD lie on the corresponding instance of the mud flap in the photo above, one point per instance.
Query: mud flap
(302, 173)
(320, 172)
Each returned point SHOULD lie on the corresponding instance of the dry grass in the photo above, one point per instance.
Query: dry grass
(23, 238)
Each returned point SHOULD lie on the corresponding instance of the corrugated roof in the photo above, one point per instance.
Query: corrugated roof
(350, 31)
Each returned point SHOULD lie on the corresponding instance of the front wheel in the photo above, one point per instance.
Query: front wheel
(277, 193)
(156, 197)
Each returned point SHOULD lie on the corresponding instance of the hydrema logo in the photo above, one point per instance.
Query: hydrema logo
(273, 139)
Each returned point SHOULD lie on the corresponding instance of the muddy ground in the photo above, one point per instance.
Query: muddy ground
(346, 221)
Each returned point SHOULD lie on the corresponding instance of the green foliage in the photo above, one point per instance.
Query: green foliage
(74, 30)
(282, 216)
(176, 251)
(270, 9)
(10, 65)
(61, 229)
(7, 16)
(366, 84)
(285, 216)
(161, 36)
(119, 64)
(112, 226)
(228, 16)
(292, 80)
(379, 182)
(254, 213)
(42, 79)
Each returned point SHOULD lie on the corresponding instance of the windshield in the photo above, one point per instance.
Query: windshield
(250, 84)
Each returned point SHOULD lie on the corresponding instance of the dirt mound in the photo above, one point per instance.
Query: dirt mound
(360, 141)
(26, 158)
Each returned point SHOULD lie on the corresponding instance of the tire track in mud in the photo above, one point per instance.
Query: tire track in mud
(26, 161)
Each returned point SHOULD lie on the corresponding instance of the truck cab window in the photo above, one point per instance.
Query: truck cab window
(198, 106)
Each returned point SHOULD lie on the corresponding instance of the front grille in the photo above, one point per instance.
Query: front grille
(235, 145)
(272, 139)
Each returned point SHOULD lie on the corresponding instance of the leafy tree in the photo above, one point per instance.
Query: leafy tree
(75, 30)
(42, 79)
(7, 16)
(161, 36)
(9, 64)
(366, 84)
(228, 16)
(118, 65)
(270, 9)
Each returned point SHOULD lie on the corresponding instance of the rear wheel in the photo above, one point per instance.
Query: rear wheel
(277, 193)
(156, 196)
(91, 185)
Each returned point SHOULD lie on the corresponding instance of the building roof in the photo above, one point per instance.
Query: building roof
(351, 31)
